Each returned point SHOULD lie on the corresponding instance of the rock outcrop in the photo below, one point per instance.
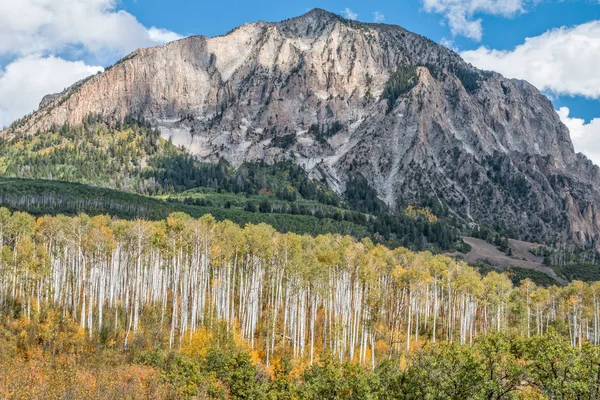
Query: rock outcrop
(343, 98)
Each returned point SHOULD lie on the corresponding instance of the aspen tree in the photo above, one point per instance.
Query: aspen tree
(279, 292)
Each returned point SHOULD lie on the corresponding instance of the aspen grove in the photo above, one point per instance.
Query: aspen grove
(301, 295)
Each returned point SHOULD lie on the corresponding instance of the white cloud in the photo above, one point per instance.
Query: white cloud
(349, 14)
(378, 17)
(33, 33)
(563, 61)
(50, 26)
(25, 81)
(460, 13)
(585, 136)
(159, 35)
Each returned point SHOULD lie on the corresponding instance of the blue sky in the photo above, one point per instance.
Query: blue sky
(45, 45)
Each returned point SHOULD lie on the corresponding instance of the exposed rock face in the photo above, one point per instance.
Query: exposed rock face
(492, 148)
(48, 99)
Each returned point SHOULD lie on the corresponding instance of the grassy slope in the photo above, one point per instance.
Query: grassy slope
(521, 261)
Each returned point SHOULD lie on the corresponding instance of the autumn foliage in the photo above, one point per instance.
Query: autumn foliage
(95, 307)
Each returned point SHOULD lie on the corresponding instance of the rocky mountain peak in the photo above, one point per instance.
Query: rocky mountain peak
(311, 24)
(316, 15)
(344, 99)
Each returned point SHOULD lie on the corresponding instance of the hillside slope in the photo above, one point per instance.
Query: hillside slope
(484, 252)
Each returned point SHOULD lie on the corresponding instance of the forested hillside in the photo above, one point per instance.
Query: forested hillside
(199, 308)
(132, 158)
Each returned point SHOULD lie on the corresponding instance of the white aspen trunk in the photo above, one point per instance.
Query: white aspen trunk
(409, 320)
(435, 309)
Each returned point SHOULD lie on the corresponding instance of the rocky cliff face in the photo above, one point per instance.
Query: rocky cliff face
(342, 98)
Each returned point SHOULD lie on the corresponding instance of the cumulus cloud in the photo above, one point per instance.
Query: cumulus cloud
(460, 14)
(159, 35)
(378, 17)
(33, 33)
(563, 61)
(585, 136)
(349, 14)
(24, 82)
(96, 26)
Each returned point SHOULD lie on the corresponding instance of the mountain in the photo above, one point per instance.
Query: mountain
(344, 100)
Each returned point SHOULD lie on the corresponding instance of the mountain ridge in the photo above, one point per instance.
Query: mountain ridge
(343, 98)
